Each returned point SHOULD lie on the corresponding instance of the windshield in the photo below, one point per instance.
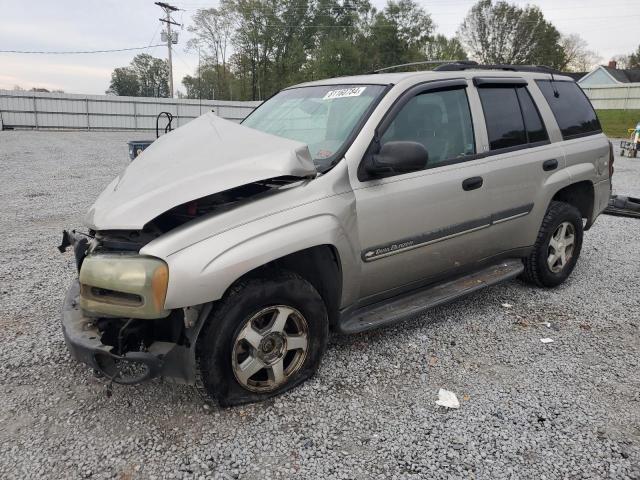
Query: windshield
(321, 117)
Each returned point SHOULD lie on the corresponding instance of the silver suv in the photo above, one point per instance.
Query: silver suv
(225, 253)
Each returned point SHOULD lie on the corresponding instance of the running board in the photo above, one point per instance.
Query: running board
(396, 310)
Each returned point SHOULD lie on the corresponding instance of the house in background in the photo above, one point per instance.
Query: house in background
(575, 75)
(610, 75)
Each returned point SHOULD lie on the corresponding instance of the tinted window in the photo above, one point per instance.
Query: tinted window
(441, 121)
(505, 126)
(532, 121)
(570, 106)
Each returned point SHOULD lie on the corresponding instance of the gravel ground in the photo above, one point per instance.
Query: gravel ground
(568, 409)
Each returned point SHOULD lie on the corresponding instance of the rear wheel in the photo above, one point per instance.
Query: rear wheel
(266, 336)
(557, 247)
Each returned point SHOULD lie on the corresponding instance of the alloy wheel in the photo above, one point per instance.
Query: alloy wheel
(270, 348)
(561, 247)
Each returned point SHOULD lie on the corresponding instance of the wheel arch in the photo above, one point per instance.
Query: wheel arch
(580, 195)
(316, 248)
(319, 265)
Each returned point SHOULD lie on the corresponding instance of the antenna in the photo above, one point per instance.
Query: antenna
(425, 62)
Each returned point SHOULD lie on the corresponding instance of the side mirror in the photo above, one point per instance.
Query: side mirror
(397, 158)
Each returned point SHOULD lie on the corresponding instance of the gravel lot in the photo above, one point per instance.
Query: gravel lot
(568, 409)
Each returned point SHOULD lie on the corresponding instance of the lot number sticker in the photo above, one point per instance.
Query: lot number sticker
(344, 92)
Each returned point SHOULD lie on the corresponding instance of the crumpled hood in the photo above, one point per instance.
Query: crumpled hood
(206, 156)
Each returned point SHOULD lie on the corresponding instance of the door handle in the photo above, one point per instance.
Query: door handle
(472, 183)
(550, 165)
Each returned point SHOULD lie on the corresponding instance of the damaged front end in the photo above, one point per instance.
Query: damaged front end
(114, 316)
(130, 351)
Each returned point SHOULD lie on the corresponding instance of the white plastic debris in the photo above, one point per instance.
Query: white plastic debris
(447, 399)
(507, 305)
(546, 340)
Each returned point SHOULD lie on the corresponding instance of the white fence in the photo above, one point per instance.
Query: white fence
(608, 97)
(21, 109)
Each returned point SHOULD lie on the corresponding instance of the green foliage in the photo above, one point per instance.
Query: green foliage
(443, 48)
(278, 43)
(124, 81)
(250, 49)
(615, 123)
(146, 76)
(505, 33)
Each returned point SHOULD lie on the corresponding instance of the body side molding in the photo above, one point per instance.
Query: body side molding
(428, 238)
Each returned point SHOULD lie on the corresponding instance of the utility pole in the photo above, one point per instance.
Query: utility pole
(167, 10)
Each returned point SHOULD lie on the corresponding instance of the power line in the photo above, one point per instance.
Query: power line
(76, 52)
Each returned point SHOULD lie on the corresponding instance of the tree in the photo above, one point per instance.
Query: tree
(502, 33)
(400, 33)
(206, 82)
(213, 29)
(153, 75)
(146, 76)
(340, 39)
(279, 43)
(443, 48)
(622, 61)
(577, 57)
(124, 82)
(634, 59)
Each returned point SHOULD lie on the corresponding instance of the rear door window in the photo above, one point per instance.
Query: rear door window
(511, 116)
(532, 120)
(505, 125)
(571, 107)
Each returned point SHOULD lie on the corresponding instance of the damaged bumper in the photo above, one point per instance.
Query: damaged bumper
(160, 359)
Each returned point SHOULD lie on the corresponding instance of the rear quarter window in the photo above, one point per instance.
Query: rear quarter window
(571, 108)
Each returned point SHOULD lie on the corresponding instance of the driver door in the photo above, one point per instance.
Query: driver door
(415, 227)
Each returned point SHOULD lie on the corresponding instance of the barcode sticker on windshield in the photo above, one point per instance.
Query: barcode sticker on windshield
(344, 92)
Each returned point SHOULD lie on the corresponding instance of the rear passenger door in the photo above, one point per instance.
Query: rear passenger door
(521, 159)
(585, 147)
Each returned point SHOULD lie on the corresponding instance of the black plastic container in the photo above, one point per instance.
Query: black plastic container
(136, 147)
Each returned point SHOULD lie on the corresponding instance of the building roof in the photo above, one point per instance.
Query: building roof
(575, 75)
(624, 75)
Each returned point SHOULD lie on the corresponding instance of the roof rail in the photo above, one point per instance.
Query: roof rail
(459, 66)
(426, 62)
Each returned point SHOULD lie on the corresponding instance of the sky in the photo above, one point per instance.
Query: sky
(610, 28)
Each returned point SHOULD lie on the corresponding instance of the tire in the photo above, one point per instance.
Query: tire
(540, 268)
(228, 349)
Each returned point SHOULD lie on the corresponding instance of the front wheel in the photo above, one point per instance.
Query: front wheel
(266, 336)
(557, 247)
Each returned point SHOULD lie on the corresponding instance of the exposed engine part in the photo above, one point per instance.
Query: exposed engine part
(191, 315)
(124, 240)
(81, 243)
(188, 211)
(126, 335)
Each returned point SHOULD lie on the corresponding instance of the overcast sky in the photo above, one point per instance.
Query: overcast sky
(610, 27)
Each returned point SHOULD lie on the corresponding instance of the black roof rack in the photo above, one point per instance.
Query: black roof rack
(459, 66)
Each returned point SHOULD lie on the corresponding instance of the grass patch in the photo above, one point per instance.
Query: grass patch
(616, 122)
